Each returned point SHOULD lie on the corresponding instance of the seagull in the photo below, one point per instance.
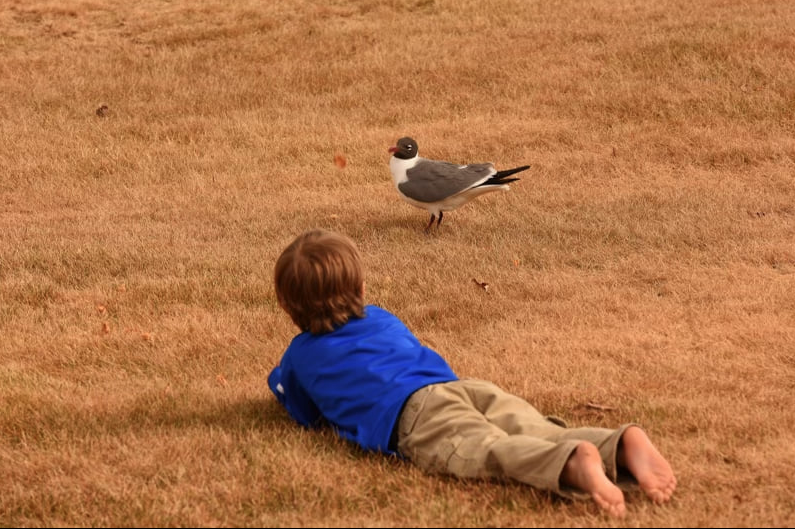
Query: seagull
(442, 186)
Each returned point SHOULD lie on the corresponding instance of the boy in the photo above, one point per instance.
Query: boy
(359, 369)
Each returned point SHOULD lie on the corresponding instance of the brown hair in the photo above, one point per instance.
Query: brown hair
(319, 281)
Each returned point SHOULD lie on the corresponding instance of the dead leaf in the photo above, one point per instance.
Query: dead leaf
(102, 111)
(340, 161)
(147, 336)
(105, 327)
(222, 380)
(484, 286)
(101, 309)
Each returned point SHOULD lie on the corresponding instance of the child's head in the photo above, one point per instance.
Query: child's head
(319, 281)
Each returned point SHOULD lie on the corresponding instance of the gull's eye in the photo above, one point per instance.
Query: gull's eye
(409, 147)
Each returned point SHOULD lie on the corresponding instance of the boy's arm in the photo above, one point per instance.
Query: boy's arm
(293, 397)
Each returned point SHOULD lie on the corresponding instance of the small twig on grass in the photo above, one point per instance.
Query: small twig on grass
(600, 407)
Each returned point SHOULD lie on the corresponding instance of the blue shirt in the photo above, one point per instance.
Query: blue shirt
(356, 377)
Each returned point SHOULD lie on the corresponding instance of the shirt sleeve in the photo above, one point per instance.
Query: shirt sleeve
(293, 397)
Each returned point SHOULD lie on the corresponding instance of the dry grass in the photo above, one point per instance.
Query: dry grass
(645, 262)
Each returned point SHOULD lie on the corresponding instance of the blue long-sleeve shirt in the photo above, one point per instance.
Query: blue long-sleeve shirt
(356, 377)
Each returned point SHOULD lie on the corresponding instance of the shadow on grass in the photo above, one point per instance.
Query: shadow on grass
(30, 419)
(241, 414)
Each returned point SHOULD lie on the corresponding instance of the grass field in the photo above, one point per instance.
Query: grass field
(156, 157)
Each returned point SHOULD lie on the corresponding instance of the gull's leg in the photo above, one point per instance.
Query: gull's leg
(430, 223)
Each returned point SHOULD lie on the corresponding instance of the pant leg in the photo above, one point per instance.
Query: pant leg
(517, 416)
(442, 430)
(510, 413)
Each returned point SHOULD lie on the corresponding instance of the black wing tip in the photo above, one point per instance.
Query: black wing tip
(494, 181)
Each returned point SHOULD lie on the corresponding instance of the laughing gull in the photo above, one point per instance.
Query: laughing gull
(442, 186)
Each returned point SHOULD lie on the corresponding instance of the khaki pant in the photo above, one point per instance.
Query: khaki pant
(473, 429)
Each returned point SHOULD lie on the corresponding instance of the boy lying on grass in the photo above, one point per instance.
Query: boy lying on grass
(359, 369)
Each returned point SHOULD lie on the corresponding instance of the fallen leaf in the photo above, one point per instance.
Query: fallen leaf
(146, 336)
(105, 327)
(102, 111)
(340, 161)
(484, 286)
(222, 380)
(101, 309)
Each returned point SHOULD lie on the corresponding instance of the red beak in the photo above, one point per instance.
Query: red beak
(393, 149)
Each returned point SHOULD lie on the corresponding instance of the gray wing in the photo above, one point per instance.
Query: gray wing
(431, 181)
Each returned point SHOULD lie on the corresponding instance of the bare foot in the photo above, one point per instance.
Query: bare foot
(644, 461)
(584, 471)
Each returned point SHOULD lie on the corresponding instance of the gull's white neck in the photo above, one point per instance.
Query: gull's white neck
(398, 167)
